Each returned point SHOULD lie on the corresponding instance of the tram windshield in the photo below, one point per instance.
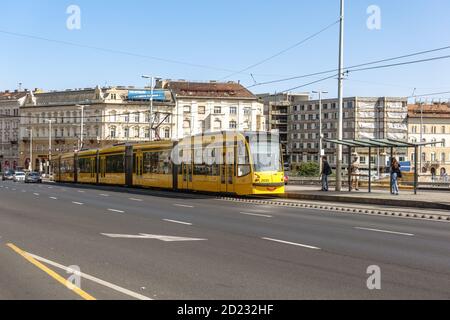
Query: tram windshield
(266, 152)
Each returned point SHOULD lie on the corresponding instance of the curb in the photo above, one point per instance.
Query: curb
(385, 213)
(388, 202)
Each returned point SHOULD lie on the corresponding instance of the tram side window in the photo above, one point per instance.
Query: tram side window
(84, 165)
(244, 167)
(157, 162)
(66, 167)
(115, 164)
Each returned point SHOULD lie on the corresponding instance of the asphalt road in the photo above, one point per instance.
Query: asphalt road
(230, 250)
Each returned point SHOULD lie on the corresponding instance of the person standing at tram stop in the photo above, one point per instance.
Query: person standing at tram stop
(355, 173)
(396, 174)
(326, 172)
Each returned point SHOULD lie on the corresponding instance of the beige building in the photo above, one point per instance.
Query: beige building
(214, 106)
(110, 116)
(431, 124)
(10, 103)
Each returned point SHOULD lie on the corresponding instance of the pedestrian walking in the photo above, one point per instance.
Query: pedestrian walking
(326, 172)
(355, 173)
(396, 174)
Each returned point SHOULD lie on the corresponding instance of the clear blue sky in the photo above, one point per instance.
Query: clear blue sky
(231, 34)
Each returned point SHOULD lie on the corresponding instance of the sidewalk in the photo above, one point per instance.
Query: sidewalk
(424, 199)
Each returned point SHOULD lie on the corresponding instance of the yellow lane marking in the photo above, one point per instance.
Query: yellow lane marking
(51, 273)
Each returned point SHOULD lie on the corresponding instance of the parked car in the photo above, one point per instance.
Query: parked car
(19, 176)
(8, 175)
(33, 177)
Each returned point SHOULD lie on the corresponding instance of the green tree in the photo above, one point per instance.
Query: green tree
(308, 169)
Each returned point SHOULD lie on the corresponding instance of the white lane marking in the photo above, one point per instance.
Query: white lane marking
(93, 279)
(133, 199)
(292, 243)
(151, 236)
(386, 231)
(179, 222)
(13, 189)
(50, 187)
(78, 203)
(104, 195)
(256, 215)
(36, 194)
(114, 210)
(53, 198)
(80, 191)
(183, 205)
(24, 191)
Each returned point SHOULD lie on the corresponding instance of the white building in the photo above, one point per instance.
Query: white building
(214, 106)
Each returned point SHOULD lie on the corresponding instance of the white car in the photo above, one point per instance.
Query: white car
(19, 176)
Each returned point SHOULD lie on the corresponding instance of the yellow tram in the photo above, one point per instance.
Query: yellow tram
(241, 163)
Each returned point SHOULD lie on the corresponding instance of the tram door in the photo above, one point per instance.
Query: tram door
(187, 175)
(138, 168)
(93, 167)
(227, 171)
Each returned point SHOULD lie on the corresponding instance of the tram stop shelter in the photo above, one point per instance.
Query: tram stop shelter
(377, 144)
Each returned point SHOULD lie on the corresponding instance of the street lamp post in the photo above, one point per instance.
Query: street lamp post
(49, 145)
(82, 125)
(152, 88)
(341, 100)
(421, 132)
(320, 127)
(30, 165)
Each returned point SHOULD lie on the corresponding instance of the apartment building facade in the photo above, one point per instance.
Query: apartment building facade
(109, 116)
(213, 106)
(430, 124)
(277, 108)
(10, 103)
(364, 118)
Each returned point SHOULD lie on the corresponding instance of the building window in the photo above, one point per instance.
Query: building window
(112, 132)
(127, 132)
(233, 124)
(217, 110)
(167, 133)
(217, 124)
(201, 110)
(137, 117)
(433, 156)
(233, 110)
(443, 129)
(186, 124)
(187, 109)
(136, 132)
(127, 117)
(147, 132)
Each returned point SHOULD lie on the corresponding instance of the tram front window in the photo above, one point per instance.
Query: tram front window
(266, 156)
